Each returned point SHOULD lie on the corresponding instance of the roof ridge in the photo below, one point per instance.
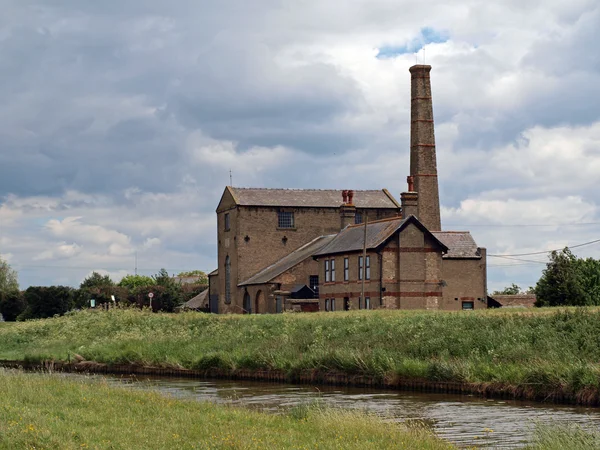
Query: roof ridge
(387, 219)
(441, 231)
(302, 189)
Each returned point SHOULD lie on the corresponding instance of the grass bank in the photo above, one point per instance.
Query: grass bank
(43, 411)
(542, 354)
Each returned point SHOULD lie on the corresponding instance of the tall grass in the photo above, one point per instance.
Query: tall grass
(561, 436)
(54, 412)
(542, 350)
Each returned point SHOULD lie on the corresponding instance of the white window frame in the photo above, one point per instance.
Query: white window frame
(286, 220)
(367, 302)
(368, 268)
(332, 267)
(360, 267)
(346, 269)
(327, 274)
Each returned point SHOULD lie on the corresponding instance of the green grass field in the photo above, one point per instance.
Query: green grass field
(47, 411)
(544, 350)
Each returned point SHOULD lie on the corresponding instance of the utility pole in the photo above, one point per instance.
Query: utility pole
(364, 264)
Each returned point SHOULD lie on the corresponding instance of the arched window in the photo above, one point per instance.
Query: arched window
(227, 280)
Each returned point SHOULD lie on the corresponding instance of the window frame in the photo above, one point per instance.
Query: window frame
(332, 305)
(368, 268)
(367, 302)
(332, 268)
(326, 305)
(327, 274)
(346, 269)
(282, 220)
(358, 218)
(227, 280)
(472, 308)
(227, 222)
(360, 267)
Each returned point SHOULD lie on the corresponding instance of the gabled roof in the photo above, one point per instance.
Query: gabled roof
(461, 244)
(351, 238)
(309, 198)
(288, 261)
(213, 273)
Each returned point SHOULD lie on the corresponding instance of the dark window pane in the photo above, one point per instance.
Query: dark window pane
(285, 219)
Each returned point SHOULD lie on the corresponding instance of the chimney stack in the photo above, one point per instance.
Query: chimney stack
(347, 210)
(410, 200)
(423, 165)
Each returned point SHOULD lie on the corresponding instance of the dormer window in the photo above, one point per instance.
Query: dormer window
(358, 218)
(285, 219)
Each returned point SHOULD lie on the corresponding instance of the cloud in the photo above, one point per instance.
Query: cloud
(121, 121)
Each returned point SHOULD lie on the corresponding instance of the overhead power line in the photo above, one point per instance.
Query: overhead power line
(547, 251)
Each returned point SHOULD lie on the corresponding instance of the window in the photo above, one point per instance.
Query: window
(333, 304)
(360, 267)
(359, 302)
(226, 221)
(326, 304)
(327, 274)
(313, 282)
(367, 302)
(368, 267)
(468, 305)
(358, 218)
(346, 265)
(333, 270)
(285, 219)
(227, 279)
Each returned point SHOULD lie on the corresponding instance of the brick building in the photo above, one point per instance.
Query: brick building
(329, 250)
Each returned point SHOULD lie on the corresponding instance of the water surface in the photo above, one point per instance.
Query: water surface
(464, 420)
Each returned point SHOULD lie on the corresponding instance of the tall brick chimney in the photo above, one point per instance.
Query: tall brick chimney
(423, 166)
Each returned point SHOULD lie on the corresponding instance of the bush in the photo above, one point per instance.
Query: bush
(43, 302)
(11, 305)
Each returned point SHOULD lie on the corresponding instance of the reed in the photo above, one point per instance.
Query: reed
(540, 353)
(50, 411)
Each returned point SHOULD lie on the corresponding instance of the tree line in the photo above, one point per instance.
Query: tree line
(566, 281)
(99, 291)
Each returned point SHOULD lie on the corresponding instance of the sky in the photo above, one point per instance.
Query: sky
(120, 122)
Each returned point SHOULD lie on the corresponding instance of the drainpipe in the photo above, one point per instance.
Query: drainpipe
(380, 278)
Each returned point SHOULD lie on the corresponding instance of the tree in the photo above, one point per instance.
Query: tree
(43, 302)
(513, 289)
(9, 281)
(202, 277)
(96, 280)
(566, 281)
(12, 305)
(133, 282)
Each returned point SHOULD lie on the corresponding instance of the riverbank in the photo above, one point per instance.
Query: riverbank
(542, 354)
(45, 411)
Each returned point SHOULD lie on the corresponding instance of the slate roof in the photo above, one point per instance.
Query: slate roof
(516, 301)
(351, 238)
(288, 261)
(213, 273)
(460, 244)
(197, 302)
(311, 198)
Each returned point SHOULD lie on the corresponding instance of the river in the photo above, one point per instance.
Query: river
(464, 420)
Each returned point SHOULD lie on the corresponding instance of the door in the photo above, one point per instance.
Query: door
(247, 303)
(346, 304)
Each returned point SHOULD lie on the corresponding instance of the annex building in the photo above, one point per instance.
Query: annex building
(328, 250)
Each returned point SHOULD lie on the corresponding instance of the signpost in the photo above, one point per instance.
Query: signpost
(150, 295)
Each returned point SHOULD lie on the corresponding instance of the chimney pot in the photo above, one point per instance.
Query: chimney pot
(345, 197)
(351, 197)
